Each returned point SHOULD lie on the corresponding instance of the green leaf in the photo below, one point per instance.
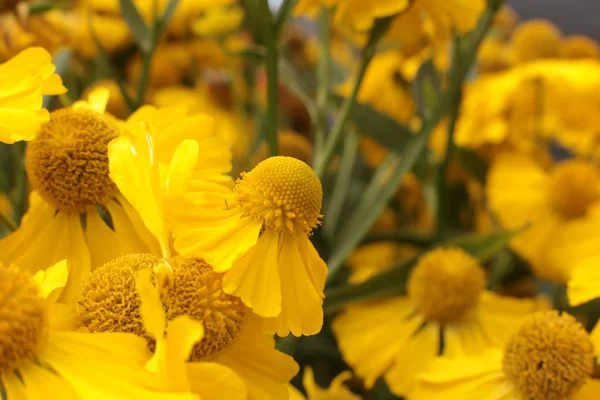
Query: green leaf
(392, 282)
(255, 54)
(41, 8)
(138, 27)
(166, 17)
(472, 163)
(290, 79)
(385, 130)
(426, 89)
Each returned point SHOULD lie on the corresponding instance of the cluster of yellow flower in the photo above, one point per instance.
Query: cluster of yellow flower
(170, 246)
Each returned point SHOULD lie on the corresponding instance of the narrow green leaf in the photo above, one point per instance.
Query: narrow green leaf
(138, 27)
(426, 89)
(255, 54)
(41, 8)
(393, 281)
(282, 15)
(289, 78)
(385, 130)
(471, 162)
(166, 16)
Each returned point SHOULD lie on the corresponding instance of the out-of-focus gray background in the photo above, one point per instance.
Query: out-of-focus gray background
(571, 16)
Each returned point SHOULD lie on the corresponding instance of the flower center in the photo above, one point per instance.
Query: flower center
(22, 319)
(197, 293)
(68, 160)
(109, 302)
(574, 188)
(284, 192)
(549, 357)
(445, 284)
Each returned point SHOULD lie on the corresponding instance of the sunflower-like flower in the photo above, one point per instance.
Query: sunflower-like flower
(259, 239)
(446, 303)
(25, 80)
(557, 208)
(550, 356)
(40, 355)
(189, 287)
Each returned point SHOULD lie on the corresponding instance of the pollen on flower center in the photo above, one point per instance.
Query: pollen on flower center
(22, 319)
(574, 188)
(284, 192)
(550, 357)
(68, 160)
(109, 301)
(446, 284)
(197, 293)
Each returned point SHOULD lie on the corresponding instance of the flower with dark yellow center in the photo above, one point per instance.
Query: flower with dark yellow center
(446, 284)
(555, 208)
(579, 47)
(259, 240)
(23, 319)
(446, 307)
(39, 353)
(550, 357)
(68, 160)
(535, 40)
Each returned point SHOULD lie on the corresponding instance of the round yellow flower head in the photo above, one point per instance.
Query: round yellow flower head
(579, 47)
(68, 160)
(535, 39)
(284, 192)
(197, 293)
(23, 319)
(550, 357)
(110, 302)
(574, 188)
(446, 284)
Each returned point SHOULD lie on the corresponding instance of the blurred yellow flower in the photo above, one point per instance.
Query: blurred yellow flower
(336, 391)
(579, 47)
(24, 80)
(259, 239)
(534, 40)
(218, 21)
(446, 299)
(551, 356)
(557, 208)
(41, 355)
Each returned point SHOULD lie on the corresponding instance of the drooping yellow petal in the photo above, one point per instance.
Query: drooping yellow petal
(38, 381)
(134, 169)
(370, 335)
(105, 244)
(129, 226)
(151, 308)
(181, 168)
(220, 237)
(264, 369)
(96, 100)
(589, 391)
(584, 284)
(212, 381)
(255, 278)
(301, 302)
(52, 279)
(336, 391)
(315, 266)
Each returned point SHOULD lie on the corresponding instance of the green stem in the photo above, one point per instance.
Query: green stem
(145, 75)
(282, 15)
(20, 180)
(381, 26)
(323, 74)
(272, 70)
(8, 222)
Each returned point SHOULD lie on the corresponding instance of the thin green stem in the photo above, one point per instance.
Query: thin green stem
(381, 26)
(8, 222)
(144, 76)
(323, 75)
(282, 15)
(272, 70)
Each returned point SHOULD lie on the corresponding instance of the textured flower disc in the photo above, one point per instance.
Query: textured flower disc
(22, 319)
(197, 293)
(284, 192)
(68, 160)
(446, 284)
(550, 357)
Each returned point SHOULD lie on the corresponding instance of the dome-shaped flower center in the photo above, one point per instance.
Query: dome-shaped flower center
(197, 293)
(68, 160)
(549, 358)
(574, 187)
(22, 319)
(284, 192)
(446, 284)
(535, 40)
(109, 301)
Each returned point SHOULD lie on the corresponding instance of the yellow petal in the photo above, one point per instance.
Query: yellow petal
(212, 381)
(104, 243)
(129, 226)
(52, 279)
(301, 302)
(254, 278)
(151, 308)
(181, 168)
(38, 381)
(584, 284)
(589, 391)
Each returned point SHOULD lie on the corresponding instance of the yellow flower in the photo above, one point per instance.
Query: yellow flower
(24, 80)
(291, 144)
(336, 391)
(40, 355)
(76, 211)
(551, 356)
(154, 164)
(534, 40)
(557, 208)
(398, 337)
(579, 47)
(259, 239)
(218, 21)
